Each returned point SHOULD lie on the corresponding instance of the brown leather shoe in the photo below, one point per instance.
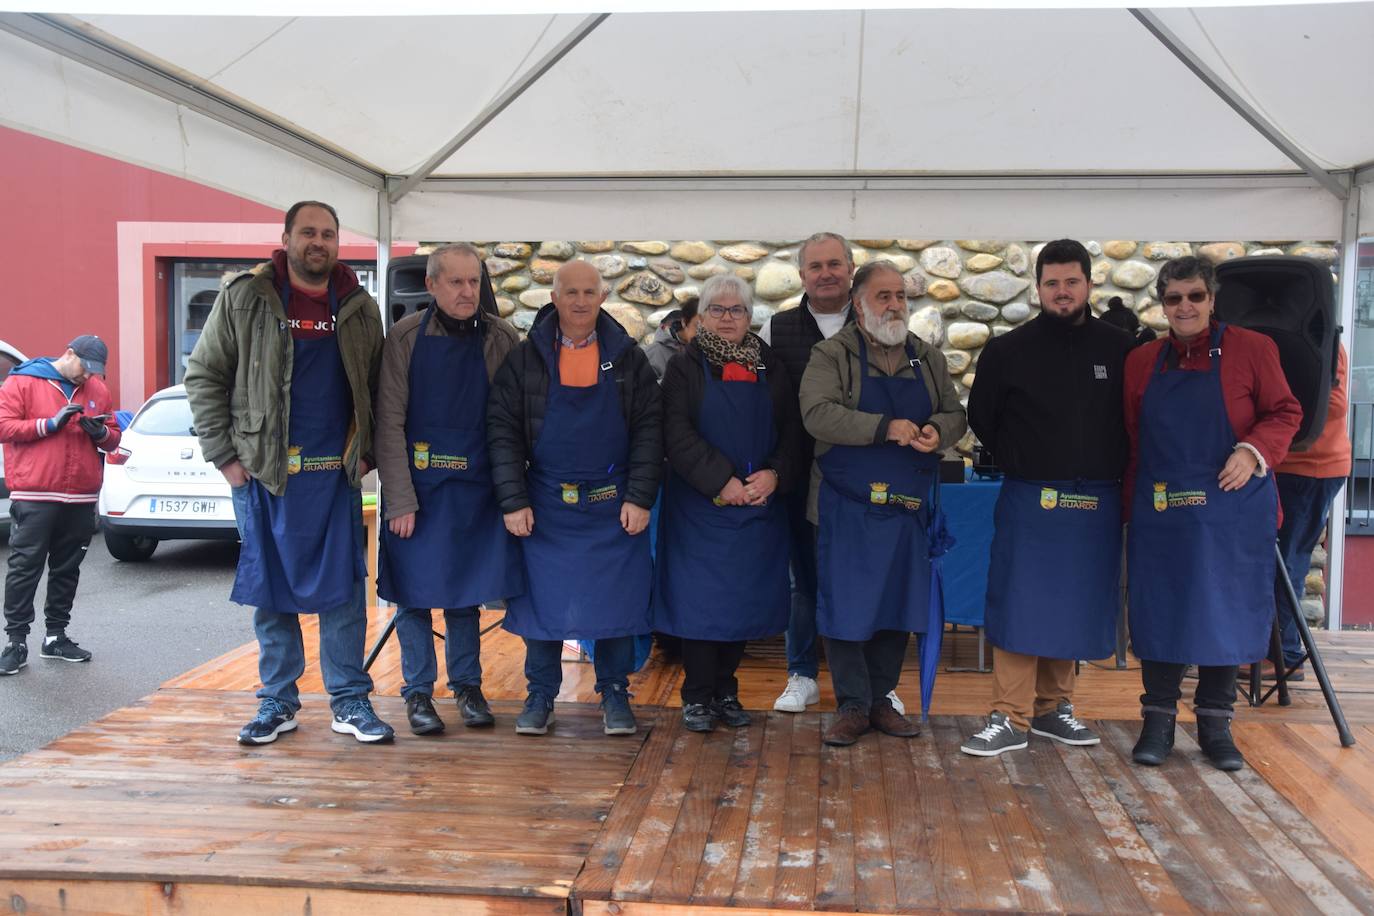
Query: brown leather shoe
(890, 722)
(850, 725)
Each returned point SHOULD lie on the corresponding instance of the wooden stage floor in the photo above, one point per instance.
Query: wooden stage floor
(155, 809)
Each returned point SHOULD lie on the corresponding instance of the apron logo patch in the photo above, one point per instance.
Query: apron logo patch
(602, 494)
(571, 493)
(421, 456)
(909, 503)
(425, 459)
(1177, 499)
(877, 493)
(297, 463)
(293, 460)
(1099, 372)
(1049, 498)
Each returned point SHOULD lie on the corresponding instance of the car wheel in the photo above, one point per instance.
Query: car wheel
(128, 548)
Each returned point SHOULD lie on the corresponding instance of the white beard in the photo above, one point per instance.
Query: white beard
(888, 332)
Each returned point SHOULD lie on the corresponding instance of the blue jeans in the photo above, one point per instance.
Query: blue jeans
(1306, 505)
(462, 645)
(801, 626)
(613, 659)
(343, 633)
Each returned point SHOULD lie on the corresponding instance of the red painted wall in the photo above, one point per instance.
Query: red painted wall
(60, 206)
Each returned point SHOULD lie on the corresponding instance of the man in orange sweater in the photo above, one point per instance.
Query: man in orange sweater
(1308, 481)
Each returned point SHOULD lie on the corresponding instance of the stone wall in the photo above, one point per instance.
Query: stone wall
(961, 292)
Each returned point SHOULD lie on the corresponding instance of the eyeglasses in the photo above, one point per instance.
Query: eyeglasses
(1196, 297)
(720, 311)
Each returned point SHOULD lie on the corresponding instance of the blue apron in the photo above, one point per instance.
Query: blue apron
(1054, 580)
(460, 553)
(585, 578)
(722, 570)
(873, 548)
(300, 550)
(1201, 561)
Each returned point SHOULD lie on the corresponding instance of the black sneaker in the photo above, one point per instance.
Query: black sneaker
(420, 712)
(697, 717)
(997, 737)
(62, 648)
(356, 717)
(473, 707)
(1063, 727)
(15, 656)
(536, 717)
(616, 716)
(729, 711)
(274, 718)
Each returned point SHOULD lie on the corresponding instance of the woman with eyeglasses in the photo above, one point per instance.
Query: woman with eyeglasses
(1209, 413)
(732, 434)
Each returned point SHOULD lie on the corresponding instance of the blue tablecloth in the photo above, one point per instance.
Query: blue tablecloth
(968, 510)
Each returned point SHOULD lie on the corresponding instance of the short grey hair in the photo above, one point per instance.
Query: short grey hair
(865, 274)
(434, 266)
(825, 237)
(1186, 268)
(722, 283)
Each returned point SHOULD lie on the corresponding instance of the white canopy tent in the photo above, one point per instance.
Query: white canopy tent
(738, 121)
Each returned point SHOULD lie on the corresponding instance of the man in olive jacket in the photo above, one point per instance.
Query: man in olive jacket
(281, 387)
(881, 405)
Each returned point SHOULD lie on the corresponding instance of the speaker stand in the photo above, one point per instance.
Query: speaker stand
(391, 628)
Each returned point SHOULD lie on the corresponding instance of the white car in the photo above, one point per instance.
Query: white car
(158, 487)
(9, 358)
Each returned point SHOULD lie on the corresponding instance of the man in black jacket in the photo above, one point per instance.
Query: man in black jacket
(575, 434)
(826, 264)
(1047, 401)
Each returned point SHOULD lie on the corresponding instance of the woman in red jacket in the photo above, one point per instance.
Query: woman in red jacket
(1209, 414)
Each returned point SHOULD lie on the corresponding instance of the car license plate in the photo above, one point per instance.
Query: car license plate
(161, 505)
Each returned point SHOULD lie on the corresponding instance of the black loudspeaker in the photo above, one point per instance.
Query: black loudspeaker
(1293, 301)
(406, 293)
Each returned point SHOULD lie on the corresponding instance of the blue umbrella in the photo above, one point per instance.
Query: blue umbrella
(940, 543)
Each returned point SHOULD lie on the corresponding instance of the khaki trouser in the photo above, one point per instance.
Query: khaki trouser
(1023, 685)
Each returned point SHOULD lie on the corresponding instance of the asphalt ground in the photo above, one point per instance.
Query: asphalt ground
(143, 623)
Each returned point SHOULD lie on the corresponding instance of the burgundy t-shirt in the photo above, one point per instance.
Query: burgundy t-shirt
(307, 314)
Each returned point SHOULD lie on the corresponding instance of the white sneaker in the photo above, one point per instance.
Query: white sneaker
(801, 692)
(896, 703)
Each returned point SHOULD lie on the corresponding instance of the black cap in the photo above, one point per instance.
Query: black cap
(92, 352)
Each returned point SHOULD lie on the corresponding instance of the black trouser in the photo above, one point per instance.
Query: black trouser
(1216, 688)
(53, 533)
(865, 671)
(709, 668)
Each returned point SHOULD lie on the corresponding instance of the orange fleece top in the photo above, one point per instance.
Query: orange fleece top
(577, 368)
(1329, 456)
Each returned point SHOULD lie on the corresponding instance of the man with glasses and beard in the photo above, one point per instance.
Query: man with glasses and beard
(881, 404)
(1047, 401)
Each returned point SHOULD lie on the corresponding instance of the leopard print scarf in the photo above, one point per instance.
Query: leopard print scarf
(719, 351)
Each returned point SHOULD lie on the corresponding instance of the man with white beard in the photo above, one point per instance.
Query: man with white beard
(881, 405)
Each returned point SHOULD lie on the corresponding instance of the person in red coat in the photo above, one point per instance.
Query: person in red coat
(1209, 415)
(55, 420)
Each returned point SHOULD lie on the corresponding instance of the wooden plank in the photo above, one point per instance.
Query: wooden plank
(914, 881)
(875, 887)
(141, 898)
(835, 832)
(1152, 882)
(991, 874)
(725, 841)
(1192, 881)
(686, 847)
(763, 837)
(795, 885)
(1207, 832)
(950, 860)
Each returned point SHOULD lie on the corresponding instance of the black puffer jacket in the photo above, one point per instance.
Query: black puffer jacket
(698, 462)
(519, 399)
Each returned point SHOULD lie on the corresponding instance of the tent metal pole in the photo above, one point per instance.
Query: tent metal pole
(499, 104)
(1259, 122)
(1335, 553)
(51, 33)
(383, 297)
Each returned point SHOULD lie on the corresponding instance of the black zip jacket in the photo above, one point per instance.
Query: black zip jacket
(1047, 400)
(519, 399)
